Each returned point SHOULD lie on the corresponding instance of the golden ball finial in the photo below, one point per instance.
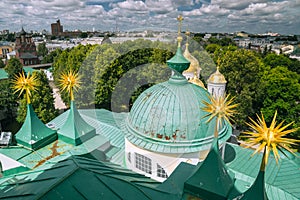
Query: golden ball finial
(179, 38)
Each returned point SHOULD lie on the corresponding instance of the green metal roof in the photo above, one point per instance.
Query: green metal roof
(107, 133)
(33, 133)
(168, 118)
(75, 130)
(282, 179)
(4, 75)
(105, 122)
(257, 190)
(211, 179)
(81, 178)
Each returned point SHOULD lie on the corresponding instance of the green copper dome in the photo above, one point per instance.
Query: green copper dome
(170, 114)
(168, 117)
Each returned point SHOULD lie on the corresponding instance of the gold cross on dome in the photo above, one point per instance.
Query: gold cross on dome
(180, 19)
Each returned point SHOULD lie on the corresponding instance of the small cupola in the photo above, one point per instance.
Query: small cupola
(216, 84)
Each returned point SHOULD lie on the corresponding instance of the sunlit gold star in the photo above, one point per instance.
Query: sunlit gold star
(23, 83)
(70, 81)
(221, 108)
(269, 138)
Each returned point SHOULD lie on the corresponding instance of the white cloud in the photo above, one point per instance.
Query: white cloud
(160, 6)
(236, 4)
(265, 8)
(217, 15)
(214, 10)
(131, 5)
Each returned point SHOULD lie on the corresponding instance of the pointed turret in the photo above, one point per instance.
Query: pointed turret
(34, 134)
(211, 179)
(257, 191)
(269, 139)
(75, 130)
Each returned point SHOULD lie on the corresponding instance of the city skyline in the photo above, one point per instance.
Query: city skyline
(258, 16)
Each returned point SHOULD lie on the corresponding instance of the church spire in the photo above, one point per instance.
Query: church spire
(178, 63)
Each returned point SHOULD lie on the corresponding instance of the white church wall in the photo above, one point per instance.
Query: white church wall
(152, 161)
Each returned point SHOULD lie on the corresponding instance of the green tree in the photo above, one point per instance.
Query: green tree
(211, 48)
(42, 101)
(8, 100)
(2, 65)
(243, 70)
(42, 49)
(13, 67)
(138, 77)
(50, 58)
(70, 59)
(83, 35)
(274, 60)
(281, 88)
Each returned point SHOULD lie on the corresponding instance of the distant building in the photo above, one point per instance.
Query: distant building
(4, 50)
(106, 40)
(56, 28)
(4, 32)
(26, 49)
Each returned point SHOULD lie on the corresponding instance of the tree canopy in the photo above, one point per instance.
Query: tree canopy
(42, 101)
(243, 70)
(113, 75)
(13, 67)
(2, 65)
(281, 88)
(42, 49)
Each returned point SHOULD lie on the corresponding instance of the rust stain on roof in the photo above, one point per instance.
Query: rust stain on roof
(53, 154)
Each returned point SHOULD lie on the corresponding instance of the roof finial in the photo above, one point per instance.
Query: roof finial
(187, 33)
(179, 38)
(218, 63)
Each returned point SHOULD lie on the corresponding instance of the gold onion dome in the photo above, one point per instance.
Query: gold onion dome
(195, 80)
(194, 66)
(217, 77)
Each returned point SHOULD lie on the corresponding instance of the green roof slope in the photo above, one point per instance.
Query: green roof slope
(81, 178)
(257, 190)
(282, 179)
(211, 179)
(33, 133)
(75, 130)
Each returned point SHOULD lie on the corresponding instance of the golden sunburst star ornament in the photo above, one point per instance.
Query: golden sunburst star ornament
(70, 81)
(220, 107)
(269, 138)
(25, 83)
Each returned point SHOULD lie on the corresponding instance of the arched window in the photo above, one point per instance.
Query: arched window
(161, 172)
(143, 163)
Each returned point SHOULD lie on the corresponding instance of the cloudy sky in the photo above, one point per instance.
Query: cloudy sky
(257, 16)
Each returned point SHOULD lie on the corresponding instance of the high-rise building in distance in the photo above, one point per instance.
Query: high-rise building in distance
(56, 28)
